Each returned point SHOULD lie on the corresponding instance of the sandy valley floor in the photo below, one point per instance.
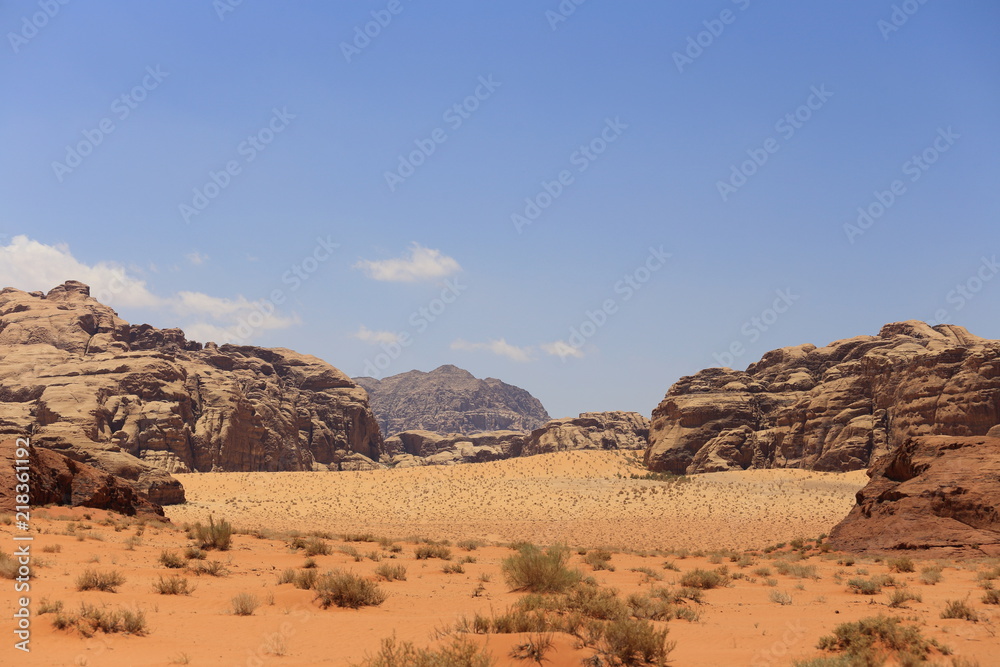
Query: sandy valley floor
(772, 609)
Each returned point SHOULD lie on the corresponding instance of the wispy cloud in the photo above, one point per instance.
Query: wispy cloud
(419, 263)
(499, 347)
(561, 349)
(31, 265)
(369, 336)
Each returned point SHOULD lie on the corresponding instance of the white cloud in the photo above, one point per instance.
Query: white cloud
(419, 263)
(30, 265)
(499, 347)
(369, 336)
(561, 349)
(196, 258)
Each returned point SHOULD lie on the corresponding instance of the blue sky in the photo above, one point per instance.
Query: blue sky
(697, 170)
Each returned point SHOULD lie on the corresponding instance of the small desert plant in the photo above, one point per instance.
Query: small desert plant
(931, 574)
(174, 585)
(314, 546)
(345, 589)
(992, 596)
(213, 568)
(538, 644)
(537, 571)
(781, 598)
(635, 642)
(704, 579)
(900, 596)
(671, 565)
(425, 551)
(52, 548)
(900, 564)
(215, 535)
(194, 553)
(91, 579)
(306, 579)
(468, 545)
(869, 586)
(244, 604)
(959, 609)
(461, 652)
(170, 559)
(599, 559)
(287, 576)
(46, 607)
(453, 568)
(864, 642)
(391, 572)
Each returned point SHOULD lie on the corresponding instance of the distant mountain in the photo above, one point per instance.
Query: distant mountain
(450, 400)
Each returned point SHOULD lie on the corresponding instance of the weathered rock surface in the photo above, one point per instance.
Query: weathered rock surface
(141, 402)
(834, 408)
(591, 430)
(55, 479)
(931, 492)
(450, 400)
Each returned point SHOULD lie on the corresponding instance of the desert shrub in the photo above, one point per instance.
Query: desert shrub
(91, 579)
(314, 546)
(650, 607)
(959, 609)
(215, 535)
(305, 579)
(52, 548)
(309, 564)
(391, 572)
(174, 585)
(358, 537)
(599, 559)
(704, 579)
(635, 642)
(92, 618)
(992, 596)
(468, 545)
(453, 568)
(900, 564)
(287, 576)
(461, 652)
(866, 641)
(780, 598)
(212, 568)
(537, 571)
(244, 604)
(796, 570)
(170, 559)
(425, 551)
(534, 649)
(762, 572)
(649, 574)
(194, 553)
(46, 607)
(900, 596)
(870, 586)
(931, 574)
(345, 589)
(671, 565)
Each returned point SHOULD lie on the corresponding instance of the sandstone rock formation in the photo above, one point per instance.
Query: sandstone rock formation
(591, 430)
(450, 400)
(931, 492)
(834, 408)
(58, 480)
(141, 402)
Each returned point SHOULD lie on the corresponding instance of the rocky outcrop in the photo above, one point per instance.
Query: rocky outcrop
(834, 408)
(591, 430)
(450, 400)
(931, 492)
(415, 448)
(141, 402)
(55, 479)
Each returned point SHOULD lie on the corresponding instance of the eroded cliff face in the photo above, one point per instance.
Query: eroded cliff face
(932, 492)
(141, 402)
(835, 408)
(451, 400)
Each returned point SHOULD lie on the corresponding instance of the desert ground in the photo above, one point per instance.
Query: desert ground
(734, 561)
